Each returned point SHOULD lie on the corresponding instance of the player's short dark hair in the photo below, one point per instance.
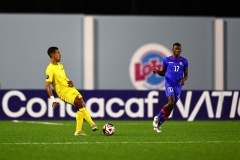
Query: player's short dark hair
(51, 50)
(176, 44)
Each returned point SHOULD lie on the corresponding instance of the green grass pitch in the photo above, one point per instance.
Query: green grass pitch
(179, 140)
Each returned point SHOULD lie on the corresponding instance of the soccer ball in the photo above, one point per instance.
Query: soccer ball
(108, 129)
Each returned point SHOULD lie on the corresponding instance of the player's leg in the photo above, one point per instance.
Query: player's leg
(165, 111)
(79, 123)
(172, 100)
(177, 92)
(73, 97)
(79, 103)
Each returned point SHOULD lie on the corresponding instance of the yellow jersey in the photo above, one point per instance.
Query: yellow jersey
(57, 76)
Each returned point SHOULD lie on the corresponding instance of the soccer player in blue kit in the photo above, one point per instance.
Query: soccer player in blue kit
(175, 70)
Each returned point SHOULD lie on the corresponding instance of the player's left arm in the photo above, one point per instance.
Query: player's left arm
(185, 77)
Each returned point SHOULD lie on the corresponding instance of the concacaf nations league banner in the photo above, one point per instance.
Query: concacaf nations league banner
(121, 105)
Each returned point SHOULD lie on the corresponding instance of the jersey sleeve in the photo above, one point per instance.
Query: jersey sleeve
(165, 64)
(49, 75)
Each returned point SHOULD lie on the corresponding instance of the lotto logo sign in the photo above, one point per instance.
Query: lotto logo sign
(142, 63)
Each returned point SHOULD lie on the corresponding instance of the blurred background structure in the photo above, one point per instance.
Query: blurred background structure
(208, 31)
(109, 49)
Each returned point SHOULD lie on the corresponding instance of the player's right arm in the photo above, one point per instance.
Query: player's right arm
(50, 94)
(160, 73)
(164, 68)
(48, 83)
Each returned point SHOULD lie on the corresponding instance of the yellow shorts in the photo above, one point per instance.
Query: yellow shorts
(68, 95)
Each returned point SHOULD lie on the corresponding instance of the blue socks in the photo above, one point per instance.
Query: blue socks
(161, 117)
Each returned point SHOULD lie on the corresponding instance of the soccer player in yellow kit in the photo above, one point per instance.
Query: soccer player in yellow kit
(64, 87)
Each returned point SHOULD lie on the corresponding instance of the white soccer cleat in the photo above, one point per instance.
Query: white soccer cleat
(157, 129)
(81, 133)
(94, 127)
(155, 122)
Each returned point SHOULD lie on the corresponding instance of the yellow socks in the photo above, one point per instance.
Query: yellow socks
(79, 120)
(87, 116)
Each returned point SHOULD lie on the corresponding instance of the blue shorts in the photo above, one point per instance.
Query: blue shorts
(173, 91)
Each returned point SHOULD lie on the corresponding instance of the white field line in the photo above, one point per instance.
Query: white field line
(62, 143)
(47, 123)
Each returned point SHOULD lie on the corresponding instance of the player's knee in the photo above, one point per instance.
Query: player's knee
(171, 104)
(79, 103)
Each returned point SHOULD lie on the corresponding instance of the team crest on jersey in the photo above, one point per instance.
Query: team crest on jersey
(143, 61)
(47, 76)
(180, 63)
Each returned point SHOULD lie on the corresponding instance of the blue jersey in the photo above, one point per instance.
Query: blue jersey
(174, 70)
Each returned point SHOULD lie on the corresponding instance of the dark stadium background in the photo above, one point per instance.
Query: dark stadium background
(124, 7)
